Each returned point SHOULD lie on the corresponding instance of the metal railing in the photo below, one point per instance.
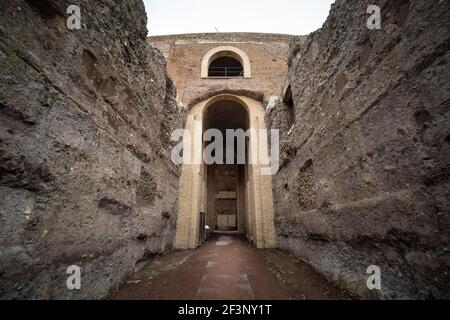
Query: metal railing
(225, 72)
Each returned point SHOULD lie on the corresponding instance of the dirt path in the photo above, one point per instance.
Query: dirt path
(227, 268)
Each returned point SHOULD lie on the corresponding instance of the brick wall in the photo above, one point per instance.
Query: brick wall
(268, 54)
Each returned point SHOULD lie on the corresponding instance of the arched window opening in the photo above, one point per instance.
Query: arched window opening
(226, 62)
(225, 67)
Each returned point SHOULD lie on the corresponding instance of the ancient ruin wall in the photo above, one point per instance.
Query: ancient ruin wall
(85, 173)
(268, 54)
(365, 170)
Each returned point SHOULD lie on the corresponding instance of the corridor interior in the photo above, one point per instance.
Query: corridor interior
(226, 265)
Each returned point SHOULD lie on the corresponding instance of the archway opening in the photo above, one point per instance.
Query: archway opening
(226, 209)
(226, 67)
(226, 61)
(244, 202)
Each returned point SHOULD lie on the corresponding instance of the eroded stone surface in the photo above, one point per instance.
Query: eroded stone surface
(85, 122)
(364, 177)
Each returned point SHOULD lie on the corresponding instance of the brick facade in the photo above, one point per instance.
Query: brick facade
(268, 54)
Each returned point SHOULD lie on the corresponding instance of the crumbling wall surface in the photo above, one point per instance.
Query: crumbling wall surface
(280, 117)
(365, 174)
(85, 173)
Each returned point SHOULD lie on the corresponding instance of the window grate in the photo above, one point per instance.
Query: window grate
(226, 72)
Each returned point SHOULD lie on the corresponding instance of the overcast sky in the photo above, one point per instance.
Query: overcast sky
(269, 16)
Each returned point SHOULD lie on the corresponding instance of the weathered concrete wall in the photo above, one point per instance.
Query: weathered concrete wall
(365, 170)
(85, 173)
(268, 55)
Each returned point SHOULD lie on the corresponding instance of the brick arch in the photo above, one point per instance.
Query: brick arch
(226, 51)
(252, 94)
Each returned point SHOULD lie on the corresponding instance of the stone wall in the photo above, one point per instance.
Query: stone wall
(268, 55)
(365, 170)
(85, 173)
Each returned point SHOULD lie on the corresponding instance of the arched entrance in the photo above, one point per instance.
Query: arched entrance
(233, 197)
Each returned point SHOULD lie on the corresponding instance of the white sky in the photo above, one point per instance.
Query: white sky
(269, 16)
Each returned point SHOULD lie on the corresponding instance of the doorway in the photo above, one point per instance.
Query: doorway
(235, 197)
(225, 185)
